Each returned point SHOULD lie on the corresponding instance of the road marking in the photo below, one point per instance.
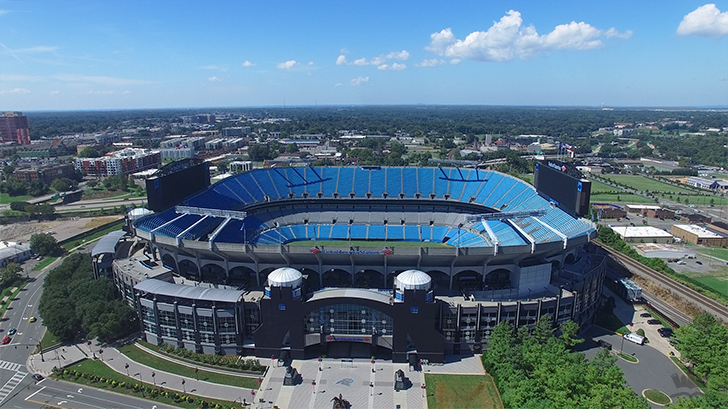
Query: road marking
(62, 402)
(69, 396)
(10, 366)
(44, 404)
(34, 393)
(80, 390)
(11, 384)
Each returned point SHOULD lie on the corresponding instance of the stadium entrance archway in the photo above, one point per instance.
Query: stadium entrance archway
(369, 279)
(468, 280)
(240, 276)
(497, 279)
(188, 269)
(336, 277)
(168, 261)
(313, 278)
(212, 273)
(263, 274)
(440, 280)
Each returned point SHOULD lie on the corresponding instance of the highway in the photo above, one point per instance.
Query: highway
(705, 303)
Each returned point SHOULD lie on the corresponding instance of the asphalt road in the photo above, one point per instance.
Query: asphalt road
(67, 395)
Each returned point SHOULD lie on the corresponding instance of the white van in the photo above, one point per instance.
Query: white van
(637, 339)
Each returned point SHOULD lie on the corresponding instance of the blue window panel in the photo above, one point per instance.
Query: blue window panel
(412, 233)
(361, 182)
(339, 231)
(409, 182)
(376, 232)
(329, 186)
(346, 181)
(376, 185)
(425, 176)
(394, 181)
(395, 233)
(358, 231)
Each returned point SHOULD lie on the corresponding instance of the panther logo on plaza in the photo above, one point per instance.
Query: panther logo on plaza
(345, 382)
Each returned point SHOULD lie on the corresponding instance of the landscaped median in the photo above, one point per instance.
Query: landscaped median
(137, 355)
(97, 374)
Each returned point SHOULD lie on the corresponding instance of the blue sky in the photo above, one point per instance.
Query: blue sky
(70, 55)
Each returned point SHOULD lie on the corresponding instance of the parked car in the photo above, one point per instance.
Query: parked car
(654, 322)
(673, 341)
(12, 331)
(38, 377)
(6, 340)
(699, 262)
(646, 315)
(665, 332)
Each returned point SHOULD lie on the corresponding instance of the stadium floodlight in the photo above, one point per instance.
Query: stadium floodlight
(504, 215)
(202, 211)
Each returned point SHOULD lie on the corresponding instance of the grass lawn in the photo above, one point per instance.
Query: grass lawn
(699, 200)
(136, 354)
(656, 396)
(715, 252)
(627, 357)
(100, 369)
(620, 198)
(364, 243)
(644, 184)
(49, 340)
(597, 186)
(461, 392)
(44, 263)
(5, 198)
(611, 322)
(717, 284)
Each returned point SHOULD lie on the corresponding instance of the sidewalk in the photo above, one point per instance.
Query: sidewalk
(67, 355)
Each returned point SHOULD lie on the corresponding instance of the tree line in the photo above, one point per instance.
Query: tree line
(74, 304)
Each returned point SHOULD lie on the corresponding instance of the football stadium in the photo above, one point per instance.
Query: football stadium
(405, 263)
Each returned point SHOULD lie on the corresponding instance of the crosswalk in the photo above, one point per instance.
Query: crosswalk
(11, 384)
(10, 366)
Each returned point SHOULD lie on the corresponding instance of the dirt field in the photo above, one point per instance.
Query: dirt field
(61, 230)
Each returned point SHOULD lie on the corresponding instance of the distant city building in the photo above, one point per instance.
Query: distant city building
(177, 153)
(713, 184)
(119, 163)
(699, 235)
(14, 128)
(204, 119)
(47, 173)
(228, 132)
(240, 166)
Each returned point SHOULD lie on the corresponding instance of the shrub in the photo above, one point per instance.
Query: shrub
(641, 332)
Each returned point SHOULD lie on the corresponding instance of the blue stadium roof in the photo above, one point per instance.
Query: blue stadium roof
(469, 190)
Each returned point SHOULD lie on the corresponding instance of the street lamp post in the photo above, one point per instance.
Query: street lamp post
(42, 359)
(126, 366)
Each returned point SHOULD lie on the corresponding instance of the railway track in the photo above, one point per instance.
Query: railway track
(705, 303)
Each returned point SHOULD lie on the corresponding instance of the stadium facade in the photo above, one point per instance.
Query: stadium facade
(412, 262)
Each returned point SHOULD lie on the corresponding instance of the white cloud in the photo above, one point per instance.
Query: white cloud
(359, 80)
(4, 12)
(287, 65)
(508, 39)
(344, 50)
(455, 61)
(248, 64)
(706, 21)
(378, 60)
(434, 62)
(15, 91)
(338, 84)
(54, 92)
(310, 63)
(214, 79)
(394, 67)
(97, 93)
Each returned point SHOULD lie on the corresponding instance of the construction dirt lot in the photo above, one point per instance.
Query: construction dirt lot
(60, 229)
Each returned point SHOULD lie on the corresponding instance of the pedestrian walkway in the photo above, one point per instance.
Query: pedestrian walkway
(11, 384)
(10, 366)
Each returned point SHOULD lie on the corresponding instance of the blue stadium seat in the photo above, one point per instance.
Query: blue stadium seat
(178, 226)
(345, 184)
(322, 231)
(330, 176)
(487, 188)
(376, 232)
(426, 233)
(412, 233)
(206, 226)
(512, 193)
(439, 233)
(424, 181)
(361, 182)
(376, 186)
(299, 232)
(233, 233)
(339, 231)
(251, 186)
(409, 182)
(395, 232)
(498, 192)
(394, 181)
(358, 231)
(152, 221)
(267, 185)
(442, 180)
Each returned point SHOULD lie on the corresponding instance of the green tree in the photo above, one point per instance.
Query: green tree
(44, 244)
(89, 152)
(63, 185)
(704, 343)
(10, 274)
